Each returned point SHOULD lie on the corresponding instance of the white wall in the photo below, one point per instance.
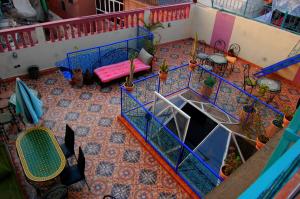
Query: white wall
(261, 44)
(46, 54)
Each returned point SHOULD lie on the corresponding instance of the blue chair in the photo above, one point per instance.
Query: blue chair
(74, 173)
(68, 146)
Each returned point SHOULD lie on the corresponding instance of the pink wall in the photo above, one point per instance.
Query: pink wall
(222, 28)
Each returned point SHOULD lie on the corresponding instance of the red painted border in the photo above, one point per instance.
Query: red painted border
(160, 160)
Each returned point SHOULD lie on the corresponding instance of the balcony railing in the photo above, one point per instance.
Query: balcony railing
(28, 36)
(257, 11)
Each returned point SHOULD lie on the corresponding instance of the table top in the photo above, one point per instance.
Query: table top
(41, 156)
(274, 85)
(218, 58)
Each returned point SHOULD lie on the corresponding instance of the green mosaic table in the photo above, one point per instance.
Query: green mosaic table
(41, 156)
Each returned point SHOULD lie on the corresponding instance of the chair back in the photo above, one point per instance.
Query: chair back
(219, 46)
(81, 162)
(234, 50)
(246, 70)
(69, 138)
(202, 46)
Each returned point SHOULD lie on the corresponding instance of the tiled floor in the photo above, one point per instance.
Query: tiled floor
(115, 162)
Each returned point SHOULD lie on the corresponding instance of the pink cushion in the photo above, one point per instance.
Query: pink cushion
(118, 70)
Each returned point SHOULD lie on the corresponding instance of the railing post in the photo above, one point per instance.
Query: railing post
(121, 90)
(190, 76)
(158, 86)
(148, 118)
(147, 14)
(40, 34)
(246, 8)
(218, 89)
(179, 158)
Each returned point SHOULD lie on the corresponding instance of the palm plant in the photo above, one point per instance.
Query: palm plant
(129, 80)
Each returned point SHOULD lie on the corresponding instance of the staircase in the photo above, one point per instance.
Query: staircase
(278, 66)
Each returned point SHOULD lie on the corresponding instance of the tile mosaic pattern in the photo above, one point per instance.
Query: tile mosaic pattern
(115, 161)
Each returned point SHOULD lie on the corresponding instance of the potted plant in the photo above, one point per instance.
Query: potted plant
(261, 140)
(129, 86)
(288, 115)
(262, 90)
(163, 72)
(232, 162)
(247, 114)
(207, 89)
(275, 126)
(193, 61)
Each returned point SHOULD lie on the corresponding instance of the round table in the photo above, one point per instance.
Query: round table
(273, 85)
(218, 60)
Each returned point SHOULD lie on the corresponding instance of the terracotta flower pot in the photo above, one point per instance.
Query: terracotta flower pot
(128, 88)
(192, 65)
(222, 174)
(272, 130)
(286, 121)
(163, 76)
(206, 91)
(259, 144)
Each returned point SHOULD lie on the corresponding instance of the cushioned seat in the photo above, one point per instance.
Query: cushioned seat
(202, 56)
(118, 70)
(207, 67)
(231, 60)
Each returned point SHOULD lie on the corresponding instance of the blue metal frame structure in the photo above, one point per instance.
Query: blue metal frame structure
(278, 66)
(202, 179)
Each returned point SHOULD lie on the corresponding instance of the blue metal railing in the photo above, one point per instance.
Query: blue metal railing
(258, 11)
(92, 58)
(194, 170)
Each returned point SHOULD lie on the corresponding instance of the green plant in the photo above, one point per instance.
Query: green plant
(151, 46)
(164, 67)
(262, 138)
(287, 111)
(152, 26)
(129, 79)
(262, 89)
(232, 162)
(278, 121)
(210, 81)
(194, 49)
(258, 125)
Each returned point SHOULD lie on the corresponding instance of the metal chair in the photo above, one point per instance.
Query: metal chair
(248, 81)
(208, 66)
(202, 56)
(233, 52)
(219, 46)
(57, 192)
(74, 173)
(68, 146)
